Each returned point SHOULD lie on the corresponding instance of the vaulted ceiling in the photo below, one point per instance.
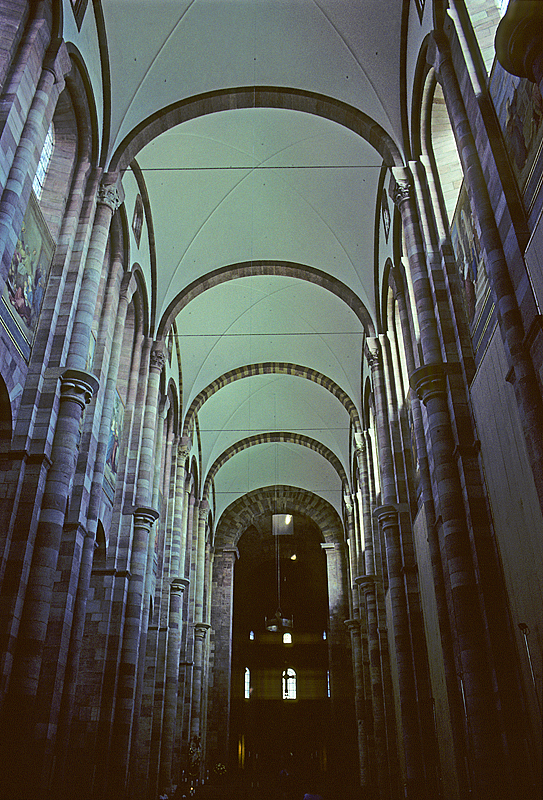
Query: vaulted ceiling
(259, 129)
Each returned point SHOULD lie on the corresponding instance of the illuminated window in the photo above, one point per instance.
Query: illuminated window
(287, 638)
(252, 636)
(324, 636)
(328, 683)
(247, 683)
(289, 684)
(137, 219)
(43, 163)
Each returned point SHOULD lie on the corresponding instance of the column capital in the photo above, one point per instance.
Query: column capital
(184, 448)
(178, 585)
(404, 188)
(373, 352)
(428, 381)
(157, 360)
(110, 191)
(203, 510)
(332, 547)
(352, 624)
(386, 515)
(359, 443)
(366, 582)
(228, 552)
(78, 386)
(348, 503)
(200, 630)
(145, 516)
(58, 61)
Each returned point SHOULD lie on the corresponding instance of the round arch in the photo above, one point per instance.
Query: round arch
(277, 499)
(273, 436)
(255, 97)
(265, 368)
(262, 267)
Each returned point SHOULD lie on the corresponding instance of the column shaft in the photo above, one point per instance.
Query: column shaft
(428, 381)
(144, 517)
(524, 378)
(388, 518)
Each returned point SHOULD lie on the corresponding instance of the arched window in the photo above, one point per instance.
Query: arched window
(43, 163)
(289, 684)
(247, 684)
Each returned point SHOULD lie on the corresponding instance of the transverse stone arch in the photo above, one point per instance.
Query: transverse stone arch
(289, 269)
(256, 97)
(277, 499)
(274, 436)
(267, 368)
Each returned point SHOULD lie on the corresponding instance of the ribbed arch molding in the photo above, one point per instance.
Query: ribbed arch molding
(287, 269)
(277, 500)
(267, 368)
(256, 97)
(274, 436)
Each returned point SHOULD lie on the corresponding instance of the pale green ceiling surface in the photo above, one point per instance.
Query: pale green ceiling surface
(258, 185)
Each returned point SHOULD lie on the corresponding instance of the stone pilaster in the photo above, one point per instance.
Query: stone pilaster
(367, 586)
(177, 587)
(200, 627)
(222, 604)
(352, 547)
(415, 784)
(464, 611)
(339, 656)
(144, 519)
(196, 722)
(76, 391)
(353, 626)
(110, 197)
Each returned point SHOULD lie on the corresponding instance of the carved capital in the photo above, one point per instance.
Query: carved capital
(110, 194)
(200, 630)
(145, 517)
(203, 511)
(403, 190)
(348, 503)
(183, 449)
(353, 624)
(78, 386)
(373, 352)
(366, 582)
(386, 516)
(230, 553)
(178, 585)
(359, 445)
(156, 360)
(428, 381)
(58, 62)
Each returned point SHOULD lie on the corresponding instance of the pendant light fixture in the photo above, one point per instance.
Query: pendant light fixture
(281, 523)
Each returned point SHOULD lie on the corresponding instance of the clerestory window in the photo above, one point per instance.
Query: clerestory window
(289, 684)
(44, 162)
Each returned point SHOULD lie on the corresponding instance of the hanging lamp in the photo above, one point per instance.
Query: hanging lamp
(278, 623)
